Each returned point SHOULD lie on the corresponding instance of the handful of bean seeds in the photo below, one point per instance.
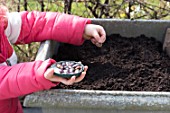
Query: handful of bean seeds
(64, 68)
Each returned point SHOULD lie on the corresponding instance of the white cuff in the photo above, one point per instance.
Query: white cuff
(13, 60)
(14, 26)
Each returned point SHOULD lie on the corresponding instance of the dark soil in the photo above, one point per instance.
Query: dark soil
(130, 64)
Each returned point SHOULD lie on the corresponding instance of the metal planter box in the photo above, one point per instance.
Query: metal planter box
(92, 101)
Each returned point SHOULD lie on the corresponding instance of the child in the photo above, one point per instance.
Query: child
(26, 27)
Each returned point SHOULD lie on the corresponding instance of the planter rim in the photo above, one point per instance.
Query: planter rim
(98, 99)
(127, 20)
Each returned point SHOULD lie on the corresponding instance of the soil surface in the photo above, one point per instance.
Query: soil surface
(129, 64)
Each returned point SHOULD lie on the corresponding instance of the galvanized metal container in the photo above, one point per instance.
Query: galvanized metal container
(92, 101)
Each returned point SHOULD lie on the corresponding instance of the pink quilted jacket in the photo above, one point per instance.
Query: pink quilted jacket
(25, 78)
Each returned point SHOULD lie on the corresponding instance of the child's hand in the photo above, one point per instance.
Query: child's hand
(95, 33)
(49, 75)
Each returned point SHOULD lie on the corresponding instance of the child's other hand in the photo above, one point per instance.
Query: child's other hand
(49, 75)
(95, 33)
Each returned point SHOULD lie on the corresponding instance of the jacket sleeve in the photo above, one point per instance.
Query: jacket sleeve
(24, 78)
(40, 26)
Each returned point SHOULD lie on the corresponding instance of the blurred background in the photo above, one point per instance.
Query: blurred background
(117, 9)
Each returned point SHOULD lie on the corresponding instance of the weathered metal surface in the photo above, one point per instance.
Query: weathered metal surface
(166, 44)
(47, 49)
(117, 100)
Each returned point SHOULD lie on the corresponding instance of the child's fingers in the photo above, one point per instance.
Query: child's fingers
(49, 74)
(45, 64)
(96, 43)
(62, 80)
(96, 36)
(73, 79)
(93, 41)
(99, 35)
(69, 81)
(102, 34)
(99, 44)
(81, 77)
